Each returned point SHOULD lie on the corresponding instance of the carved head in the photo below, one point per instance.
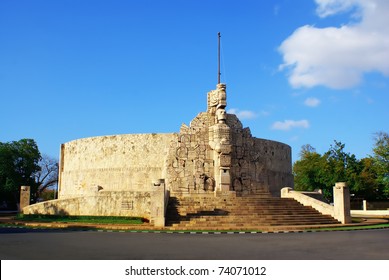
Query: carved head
(221, 115)
(221, 86)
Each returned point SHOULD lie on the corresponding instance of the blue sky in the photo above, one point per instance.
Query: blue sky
(299, 72)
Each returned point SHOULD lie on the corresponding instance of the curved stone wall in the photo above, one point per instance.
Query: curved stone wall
(266, 165)
(112, 163)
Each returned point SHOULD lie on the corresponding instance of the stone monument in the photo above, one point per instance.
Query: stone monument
(115, 175)
(215, 154)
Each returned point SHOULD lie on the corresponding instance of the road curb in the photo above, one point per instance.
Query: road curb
(86, 229)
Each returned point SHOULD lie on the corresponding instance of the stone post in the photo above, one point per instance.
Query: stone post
(225, 180)
(342, 203)
(24, 197)
(158, 203)
(364, 205)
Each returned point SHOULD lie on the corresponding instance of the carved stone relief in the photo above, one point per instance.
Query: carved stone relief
(216, 150)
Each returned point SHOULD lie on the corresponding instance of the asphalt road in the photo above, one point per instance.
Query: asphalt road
(29, 244)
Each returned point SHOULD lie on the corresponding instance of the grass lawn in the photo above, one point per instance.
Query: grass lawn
(82, 219)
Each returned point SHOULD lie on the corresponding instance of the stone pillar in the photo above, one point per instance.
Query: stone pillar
(285, 192)
(220, 138)
(220, 143)
(158, 203)
(364, 205)
(342, 203)
(225, 180)
(24, 197)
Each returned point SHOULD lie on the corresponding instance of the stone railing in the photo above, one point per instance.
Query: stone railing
(340, 210)
(305, 199)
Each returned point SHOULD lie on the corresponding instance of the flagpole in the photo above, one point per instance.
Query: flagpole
(218, 59)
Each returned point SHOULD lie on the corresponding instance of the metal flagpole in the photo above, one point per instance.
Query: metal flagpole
(218, 59)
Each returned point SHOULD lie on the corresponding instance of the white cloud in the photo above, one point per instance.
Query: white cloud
(312, 102)
(337, 57)
(330, 7)
(243, 115)
(289, 124)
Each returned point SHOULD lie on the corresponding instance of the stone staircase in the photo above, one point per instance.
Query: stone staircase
(260, 211)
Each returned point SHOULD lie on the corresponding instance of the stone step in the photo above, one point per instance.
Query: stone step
(218, 212)
(255, 219)
(242, 225)
(245, 225)
(240, 212)
(237, 207)
(269, 219)
(232, 201)
(248, 217)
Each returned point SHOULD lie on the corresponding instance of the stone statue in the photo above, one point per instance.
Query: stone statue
(217, 99)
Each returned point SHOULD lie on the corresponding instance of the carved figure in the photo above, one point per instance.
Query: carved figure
(221, 115)
(237, 185)
(217, 98)
(209, 184)
(199, 181)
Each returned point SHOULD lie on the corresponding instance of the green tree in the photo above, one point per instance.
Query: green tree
(342, 166)
(315, 171)
(367, 178)
(18, 164)
(309, 171)
(367, 185)
(381, 161)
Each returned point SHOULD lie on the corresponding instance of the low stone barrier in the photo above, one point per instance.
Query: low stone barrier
(150, 205)
(370, 213)
(306, 200)
(105, 203)
(340, 210)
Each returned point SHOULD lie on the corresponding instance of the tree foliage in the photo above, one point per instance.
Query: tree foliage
(21, 164)
(18, 164)
(381, 160)
(367, 178)
(308, 170)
